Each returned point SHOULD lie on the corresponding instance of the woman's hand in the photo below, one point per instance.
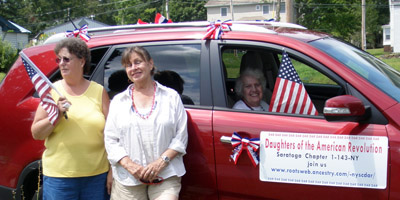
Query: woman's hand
(133, 168)
(63, 104)
(151, 171)
(109, 181)
(41, 127)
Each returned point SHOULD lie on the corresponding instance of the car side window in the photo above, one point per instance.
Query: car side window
(318, 86)
(309, 75)
(171, 61)
(235, 60)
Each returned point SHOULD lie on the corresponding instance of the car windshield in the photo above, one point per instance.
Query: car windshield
(372, 69)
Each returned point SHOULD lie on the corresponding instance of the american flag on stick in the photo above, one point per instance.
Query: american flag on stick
(290, 95)
(43, 87)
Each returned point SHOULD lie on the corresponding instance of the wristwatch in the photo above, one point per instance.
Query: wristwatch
(165, 159)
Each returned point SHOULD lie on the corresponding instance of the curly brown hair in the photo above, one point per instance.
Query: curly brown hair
(77, 47)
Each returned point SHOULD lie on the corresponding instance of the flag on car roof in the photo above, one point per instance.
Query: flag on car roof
(141, 22)
(42, 87)
(290, 95)
(161, 19)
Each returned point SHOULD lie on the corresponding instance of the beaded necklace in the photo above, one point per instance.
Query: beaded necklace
(147, 115)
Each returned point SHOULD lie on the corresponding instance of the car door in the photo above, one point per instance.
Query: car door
(186, 60)
(296, 163)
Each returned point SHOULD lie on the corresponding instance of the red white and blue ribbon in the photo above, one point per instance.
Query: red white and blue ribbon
(82, 33)
(216, 29)
(251, 145)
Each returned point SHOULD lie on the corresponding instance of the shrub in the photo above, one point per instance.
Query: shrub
(8, 55)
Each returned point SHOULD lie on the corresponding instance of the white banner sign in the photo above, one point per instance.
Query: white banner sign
(322, 159)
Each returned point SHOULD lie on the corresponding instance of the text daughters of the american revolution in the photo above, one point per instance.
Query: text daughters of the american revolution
(325, 146)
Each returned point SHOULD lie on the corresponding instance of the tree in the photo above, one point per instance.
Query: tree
(130, 11)
(187, 10)
(342, 18)
(377, 15)
(8, 55)
(37, 15)
(8, 8)
(179, 11)
(278, 11)
(337, 18)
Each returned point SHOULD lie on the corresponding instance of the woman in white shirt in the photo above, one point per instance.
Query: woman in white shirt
(145, 134)
(250, 87)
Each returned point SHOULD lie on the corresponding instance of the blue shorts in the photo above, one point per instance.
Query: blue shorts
(81, 188)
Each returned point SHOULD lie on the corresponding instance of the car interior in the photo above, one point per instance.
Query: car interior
(236, 59)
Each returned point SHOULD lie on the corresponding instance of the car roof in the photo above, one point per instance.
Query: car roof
(189, 30)
(302, 35)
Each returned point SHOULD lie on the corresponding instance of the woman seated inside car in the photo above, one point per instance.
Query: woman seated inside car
(250, 87)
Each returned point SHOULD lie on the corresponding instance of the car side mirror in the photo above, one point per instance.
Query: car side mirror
(346, 108)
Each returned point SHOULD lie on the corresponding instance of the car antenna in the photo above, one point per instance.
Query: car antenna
(72, 22)
(69, 18)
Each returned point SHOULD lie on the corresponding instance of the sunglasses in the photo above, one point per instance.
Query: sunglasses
(156, 181)
(66, 60)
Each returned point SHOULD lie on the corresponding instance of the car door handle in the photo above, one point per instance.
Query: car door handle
(225, 139)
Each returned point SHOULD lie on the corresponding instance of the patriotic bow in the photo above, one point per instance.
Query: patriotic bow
(82, 33)
(215, 29)
(240, 143)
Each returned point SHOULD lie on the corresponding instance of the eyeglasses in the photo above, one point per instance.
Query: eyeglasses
(156, 181)
(66, 60)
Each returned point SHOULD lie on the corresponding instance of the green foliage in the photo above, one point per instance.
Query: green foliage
(338, 17)
(188, 10)
(8, 55)
(179, 11)
(37, 15)
(342, 18)
(130, 11)
(41, 14)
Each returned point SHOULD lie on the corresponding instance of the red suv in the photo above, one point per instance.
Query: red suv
(350, 150)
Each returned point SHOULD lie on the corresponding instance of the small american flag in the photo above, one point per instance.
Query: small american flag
(290, 95)
(43, 87)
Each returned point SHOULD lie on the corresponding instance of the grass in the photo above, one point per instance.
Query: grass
(386, 57)
(232, 63)
(2, 75)
(376, 52)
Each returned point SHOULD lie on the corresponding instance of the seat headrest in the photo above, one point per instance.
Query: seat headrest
(251, 60)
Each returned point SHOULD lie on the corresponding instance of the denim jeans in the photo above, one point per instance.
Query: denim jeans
(81, 188)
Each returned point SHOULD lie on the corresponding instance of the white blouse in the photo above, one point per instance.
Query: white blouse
(126, 134)
(241, 105)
